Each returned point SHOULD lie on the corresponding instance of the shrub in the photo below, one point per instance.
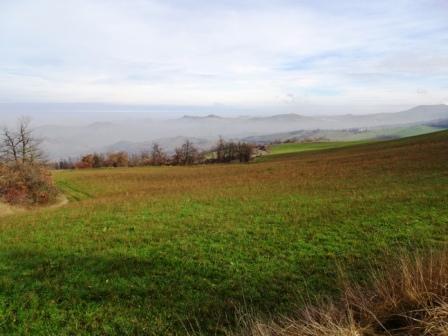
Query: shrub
(26, 184)
(118, 159)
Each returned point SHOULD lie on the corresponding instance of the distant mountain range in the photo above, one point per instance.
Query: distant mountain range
(137, 135)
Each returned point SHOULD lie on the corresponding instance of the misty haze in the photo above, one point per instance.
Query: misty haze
(136, 134)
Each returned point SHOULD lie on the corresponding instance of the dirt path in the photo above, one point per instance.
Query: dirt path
(61, 200)
(6, 209)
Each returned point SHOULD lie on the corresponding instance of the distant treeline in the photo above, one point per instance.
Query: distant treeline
(187, 154)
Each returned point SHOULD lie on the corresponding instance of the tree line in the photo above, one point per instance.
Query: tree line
(186, 154)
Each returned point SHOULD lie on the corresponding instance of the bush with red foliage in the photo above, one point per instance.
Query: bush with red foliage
(26, 184)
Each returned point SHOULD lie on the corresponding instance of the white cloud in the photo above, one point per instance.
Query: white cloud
(243, 53)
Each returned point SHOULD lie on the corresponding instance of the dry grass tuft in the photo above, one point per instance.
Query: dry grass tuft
(410, 298)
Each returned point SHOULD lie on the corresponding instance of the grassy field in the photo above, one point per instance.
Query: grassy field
(348, 135)
(353, 139)
(286, 148)
(162, 251)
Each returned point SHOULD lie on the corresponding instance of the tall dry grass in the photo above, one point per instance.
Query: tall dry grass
(409, 298)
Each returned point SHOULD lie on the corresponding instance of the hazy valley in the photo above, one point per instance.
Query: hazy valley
(63, 141)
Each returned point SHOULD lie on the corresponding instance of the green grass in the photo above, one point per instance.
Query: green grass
(352, 135)
(287, 148)
(411, 131)
(356, 139)
(160, 251)
(397, 132)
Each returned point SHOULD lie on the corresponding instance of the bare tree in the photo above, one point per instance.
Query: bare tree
(9, 147)
(145, 158)
(245, 151)
(158, 157)
(190, 153)
(20, 146)
(220, 150)
(29, 145)
(187, 154)
(230, 151)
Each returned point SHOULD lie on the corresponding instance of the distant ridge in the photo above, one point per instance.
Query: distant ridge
(64, 141)
(210, 116)
(415, 114)
(283, 117)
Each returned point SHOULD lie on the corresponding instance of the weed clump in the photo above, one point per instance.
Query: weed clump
(409, 299)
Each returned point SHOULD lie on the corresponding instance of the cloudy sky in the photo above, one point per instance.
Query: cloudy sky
(224, 53)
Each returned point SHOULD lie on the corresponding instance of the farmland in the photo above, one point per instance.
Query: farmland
(167, 250)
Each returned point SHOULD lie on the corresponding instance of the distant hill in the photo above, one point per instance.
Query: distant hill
(208, 117)
(168, 144)
(440, 123)
(352, 134)
(64, 141)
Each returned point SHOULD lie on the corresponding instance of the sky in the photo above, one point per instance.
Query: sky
(272, 55)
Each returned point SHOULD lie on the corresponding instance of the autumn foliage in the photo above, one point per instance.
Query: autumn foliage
(186, 154)
(26, 184)
(24, 179)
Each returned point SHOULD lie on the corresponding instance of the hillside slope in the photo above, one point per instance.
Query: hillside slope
(162, 251)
